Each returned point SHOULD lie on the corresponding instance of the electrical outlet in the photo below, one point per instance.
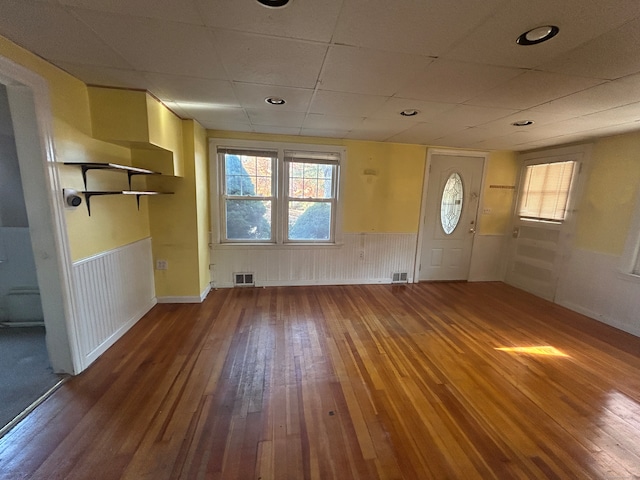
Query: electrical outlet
(361, 254)
(486, 211)
(162, 265)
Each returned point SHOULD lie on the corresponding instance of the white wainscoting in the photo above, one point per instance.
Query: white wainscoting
(362, 258)
(592, 285)
(113, 290)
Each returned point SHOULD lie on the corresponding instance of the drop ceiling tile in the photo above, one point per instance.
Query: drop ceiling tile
(193, 90)
(377, 129)
(217, 115)
(411, 26)
(471, 116)
(55, 34)
(158, 46)
(268, 60)
(494, 42)
(331, 122)
(422, 133)
(455, 82)
(227, 127)
(276, 118)
(303, 19)
(601, 97)
(428, 111)
(323, 133)
(345, 104)
(366, 71)
(276, 130)
(532, 88)
(106, 76)
(610, 56)
(253, 95)
(183, 11)
(615, 116)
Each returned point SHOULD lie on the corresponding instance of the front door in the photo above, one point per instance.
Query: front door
(449, 227)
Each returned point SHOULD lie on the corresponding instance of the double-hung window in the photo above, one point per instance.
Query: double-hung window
(278, 195)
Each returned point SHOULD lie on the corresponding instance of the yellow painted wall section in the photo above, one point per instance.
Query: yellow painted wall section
(119, 115)
(501, 171)
(174, 226)
(611, 193)
(165, 130)
(202, 202)
(383, 187)
(387, 200)
(115, 221)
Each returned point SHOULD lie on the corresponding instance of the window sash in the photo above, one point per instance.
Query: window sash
(321, 159)
(545, 191)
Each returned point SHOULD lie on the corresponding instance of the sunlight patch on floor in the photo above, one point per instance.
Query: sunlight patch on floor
(547, 350)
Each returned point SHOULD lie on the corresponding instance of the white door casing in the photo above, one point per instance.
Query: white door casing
(446, 256)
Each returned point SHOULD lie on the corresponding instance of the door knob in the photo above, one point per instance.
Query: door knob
(472, 230)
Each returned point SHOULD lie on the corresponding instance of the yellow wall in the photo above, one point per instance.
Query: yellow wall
(387, 201)
(611, 193)
(176, 221)
(202, 202)
(501, 171)
(114, 221)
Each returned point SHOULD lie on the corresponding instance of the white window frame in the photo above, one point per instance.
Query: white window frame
(279, 225)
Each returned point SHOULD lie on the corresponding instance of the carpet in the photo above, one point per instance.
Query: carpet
(25, 372)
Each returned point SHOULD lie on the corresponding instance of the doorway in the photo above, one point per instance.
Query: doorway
(449, 220)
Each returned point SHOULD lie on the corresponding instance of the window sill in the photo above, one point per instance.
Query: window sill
(276, 246)
(629, 277)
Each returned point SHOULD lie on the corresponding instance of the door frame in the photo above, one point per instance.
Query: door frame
(425, 186)
(32, 120)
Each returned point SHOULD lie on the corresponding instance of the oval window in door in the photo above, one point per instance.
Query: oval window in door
(451, 203)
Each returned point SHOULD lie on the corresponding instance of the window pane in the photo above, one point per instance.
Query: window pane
(248, 219)
(309, 221)
(545, 191)
(310, 180)
(451, 203)
(248, 175)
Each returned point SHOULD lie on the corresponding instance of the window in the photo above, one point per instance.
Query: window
(451, 203)
(545, 191)
(279, 195)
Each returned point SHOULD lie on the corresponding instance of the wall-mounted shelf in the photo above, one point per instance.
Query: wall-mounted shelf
(131, 171)
(114, 166)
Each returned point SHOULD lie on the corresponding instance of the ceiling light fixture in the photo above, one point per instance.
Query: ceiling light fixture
(538, 35)
(273, 3)
(411, 112)
(275, 101)
(523, 123)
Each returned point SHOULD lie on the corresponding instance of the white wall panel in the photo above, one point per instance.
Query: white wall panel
(593, 286)
(113, 291)
(362, 258)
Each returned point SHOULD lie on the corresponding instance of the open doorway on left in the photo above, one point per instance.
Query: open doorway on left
(25, 370)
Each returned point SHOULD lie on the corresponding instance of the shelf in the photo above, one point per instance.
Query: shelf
(86, 166)
(97, 193)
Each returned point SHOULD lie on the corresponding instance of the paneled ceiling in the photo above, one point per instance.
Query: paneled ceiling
(347, 68)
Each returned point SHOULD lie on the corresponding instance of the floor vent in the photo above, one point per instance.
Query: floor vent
(400, 277)
(243, 280)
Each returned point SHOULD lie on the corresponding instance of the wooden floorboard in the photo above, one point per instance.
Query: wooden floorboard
(427, 381)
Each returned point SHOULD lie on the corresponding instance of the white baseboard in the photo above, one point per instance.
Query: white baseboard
(187, 298)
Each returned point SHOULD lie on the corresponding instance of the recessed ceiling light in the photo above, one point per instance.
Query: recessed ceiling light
(538, 35)
(411, 112)
(273, 3)
(275, 100)
(523, 123)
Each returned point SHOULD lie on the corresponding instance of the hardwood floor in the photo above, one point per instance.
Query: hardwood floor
(427, 381)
